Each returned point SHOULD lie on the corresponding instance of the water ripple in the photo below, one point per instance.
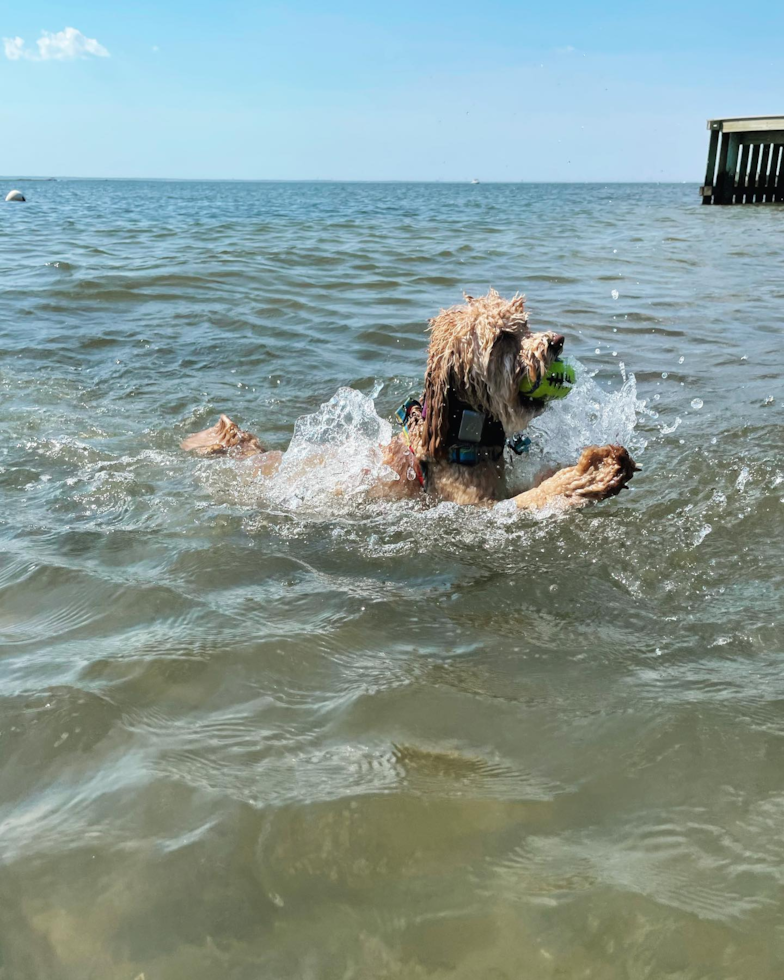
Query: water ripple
(383, 739)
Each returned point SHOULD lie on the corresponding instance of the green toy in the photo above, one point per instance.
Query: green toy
(557, 383)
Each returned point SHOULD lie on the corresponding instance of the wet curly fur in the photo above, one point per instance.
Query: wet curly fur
(478, 354)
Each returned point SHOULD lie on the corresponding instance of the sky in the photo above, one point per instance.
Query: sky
(493, 89)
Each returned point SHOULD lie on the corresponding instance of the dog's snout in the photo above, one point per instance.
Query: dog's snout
(557, 342)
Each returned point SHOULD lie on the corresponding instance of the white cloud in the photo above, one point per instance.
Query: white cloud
(69, 43)
(14, 48)
(64, 45)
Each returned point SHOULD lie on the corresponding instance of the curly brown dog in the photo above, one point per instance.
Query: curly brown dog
(453, 446)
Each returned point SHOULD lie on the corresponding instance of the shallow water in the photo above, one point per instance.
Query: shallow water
(266, 730)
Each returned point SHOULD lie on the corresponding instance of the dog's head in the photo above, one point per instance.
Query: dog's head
(478, 354)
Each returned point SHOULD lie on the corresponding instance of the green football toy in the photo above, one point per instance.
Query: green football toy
(557, 383)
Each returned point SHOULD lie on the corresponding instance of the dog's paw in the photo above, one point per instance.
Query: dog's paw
(222, 437)
(600, 472)
(217, 438)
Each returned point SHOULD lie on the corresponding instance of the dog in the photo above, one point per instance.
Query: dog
(453, 443)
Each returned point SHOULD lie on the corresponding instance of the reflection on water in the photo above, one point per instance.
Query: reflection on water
(260, 728)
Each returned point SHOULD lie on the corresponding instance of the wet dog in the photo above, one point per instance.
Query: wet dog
(453, 445)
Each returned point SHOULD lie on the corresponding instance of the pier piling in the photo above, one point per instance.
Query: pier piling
(745, 161)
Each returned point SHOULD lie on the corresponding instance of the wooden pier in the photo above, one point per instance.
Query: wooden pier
(745, 161)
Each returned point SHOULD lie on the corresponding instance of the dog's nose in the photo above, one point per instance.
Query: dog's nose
(556, 343)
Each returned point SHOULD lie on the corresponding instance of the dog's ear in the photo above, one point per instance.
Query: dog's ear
(438, 379)
(436, 399)
(504, 358)
(514, 319)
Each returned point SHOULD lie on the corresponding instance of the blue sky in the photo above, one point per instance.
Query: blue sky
(404, 90)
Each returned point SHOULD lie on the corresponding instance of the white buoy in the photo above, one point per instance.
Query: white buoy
(14, 196)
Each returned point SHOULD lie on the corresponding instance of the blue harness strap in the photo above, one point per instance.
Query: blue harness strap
(519, 444)
(471, 455)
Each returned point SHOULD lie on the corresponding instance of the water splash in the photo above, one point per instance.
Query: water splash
(337, 452)
(590, 415)
(335, 457)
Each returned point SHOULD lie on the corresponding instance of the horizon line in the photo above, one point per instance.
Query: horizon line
(339, 180)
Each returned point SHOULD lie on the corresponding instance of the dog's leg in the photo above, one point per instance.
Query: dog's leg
(543, 475)
(222, 437)
(600, 472)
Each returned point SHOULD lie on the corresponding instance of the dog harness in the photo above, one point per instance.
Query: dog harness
(472, 436)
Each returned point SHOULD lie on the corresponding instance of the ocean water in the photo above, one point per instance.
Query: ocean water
(279, 729)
